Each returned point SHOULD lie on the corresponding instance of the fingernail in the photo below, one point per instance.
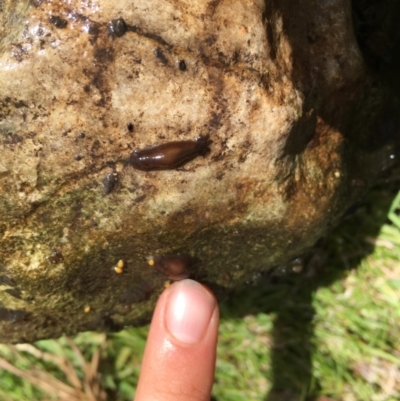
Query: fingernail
(189, 310)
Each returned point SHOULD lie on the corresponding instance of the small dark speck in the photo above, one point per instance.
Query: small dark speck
(109, 182)
(117, 27)
(20, 103)
(140, 198)
(58, 22)
(36, 3)
(15, 138)
(130, 127)
(81, 135)
(182, 65)
(107, 323)
(78, 157)
(160, 55)
(219, 176)
(92, 28)
(55, 257)
(211, 40)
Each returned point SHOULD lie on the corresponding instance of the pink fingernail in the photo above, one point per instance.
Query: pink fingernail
(189, 310)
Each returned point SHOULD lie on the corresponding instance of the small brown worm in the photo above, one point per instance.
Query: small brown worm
(170, 155)
(175, 267)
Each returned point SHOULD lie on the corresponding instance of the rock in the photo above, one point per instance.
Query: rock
(299, 128)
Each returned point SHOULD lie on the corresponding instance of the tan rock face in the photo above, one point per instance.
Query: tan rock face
(298, 128)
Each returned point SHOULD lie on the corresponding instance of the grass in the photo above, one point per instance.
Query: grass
(331, 332)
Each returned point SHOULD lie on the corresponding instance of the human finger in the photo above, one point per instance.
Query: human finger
(179, 358)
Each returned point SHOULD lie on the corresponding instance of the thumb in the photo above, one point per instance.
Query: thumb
(179, 359)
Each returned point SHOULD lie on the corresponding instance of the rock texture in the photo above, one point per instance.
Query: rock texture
(300, 128)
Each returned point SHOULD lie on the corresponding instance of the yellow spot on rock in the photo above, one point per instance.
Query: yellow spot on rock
(87, 309)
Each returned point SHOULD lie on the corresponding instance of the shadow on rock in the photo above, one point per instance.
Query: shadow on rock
(289, 295)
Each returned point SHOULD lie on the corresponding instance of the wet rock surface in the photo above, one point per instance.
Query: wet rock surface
(299, 125)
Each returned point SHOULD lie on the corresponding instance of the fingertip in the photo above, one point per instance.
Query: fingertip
(184, 329)
(190, 307)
